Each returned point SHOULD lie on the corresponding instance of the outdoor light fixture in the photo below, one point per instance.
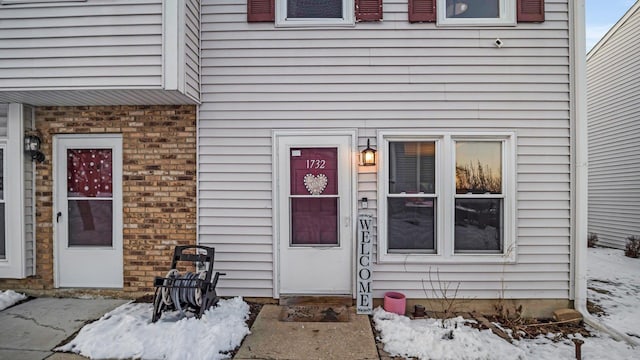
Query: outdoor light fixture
(368, 155)
(32, 146)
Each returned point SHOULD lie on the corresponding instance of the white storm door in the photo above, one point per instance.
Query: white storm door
(88, 211)
(316, 239)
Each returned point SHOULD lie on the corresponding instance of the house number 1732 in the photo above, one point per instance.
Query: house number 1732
(316, 164)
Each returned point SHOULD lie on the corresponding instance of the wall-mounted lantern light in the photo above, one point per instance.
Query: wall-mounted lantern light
(368, 155)
(32, 146)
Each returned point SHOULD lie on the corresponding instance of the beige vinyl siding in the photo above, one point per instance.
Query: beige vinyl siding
(29, 204)
(387, 75)
(613, 91)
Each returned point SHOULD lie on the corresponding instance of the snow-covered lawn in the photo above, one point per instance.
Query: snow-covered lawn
(617, 280)
(614, 284)
(10, 297)
(127, 332)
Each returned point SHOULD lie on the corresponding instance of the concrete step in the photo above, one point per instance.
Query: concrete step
(271, 338)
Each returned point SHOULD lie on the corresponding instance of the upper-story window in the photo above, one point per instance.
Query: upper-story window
(476, 12)
(314, 13)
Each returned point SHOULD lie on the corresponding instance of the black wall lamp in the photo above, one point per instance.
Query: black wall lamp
(32, 146)
(368, 155)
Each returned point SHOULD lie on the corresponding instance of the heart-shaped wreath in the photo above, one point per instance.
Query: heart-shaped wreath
(315, 184)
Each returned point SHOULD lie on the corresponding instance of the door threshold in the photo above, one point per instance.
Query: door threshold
(292, 300)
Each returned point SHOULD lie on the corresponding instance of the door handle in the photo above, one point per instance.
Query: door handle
(58, 216)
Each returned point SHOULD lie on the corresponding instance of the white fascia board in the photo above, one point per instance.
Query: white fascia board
(14, 264)
(173, 45)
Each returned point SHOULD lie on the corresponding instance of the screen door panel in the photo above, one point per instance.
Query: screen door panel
(89, 195)
(314, 197)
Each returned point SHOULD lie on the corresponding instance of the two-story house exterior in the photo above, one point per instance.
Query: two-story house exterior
(474, 108)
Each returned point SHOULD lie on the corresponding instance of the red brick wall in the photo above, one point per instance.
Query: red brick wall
(159, 185)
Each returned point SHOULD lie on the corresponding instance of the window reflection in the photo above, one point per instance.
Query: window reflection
(412, 167)
(475, 9)
(1, 174)
(90, 223)
(318, 9)
(478, 167)
(3, 251)
(411, 224)
(478, 225)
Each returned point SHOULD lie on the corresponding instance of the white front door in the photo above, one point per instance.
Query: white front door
(315, 204)
(88, 211)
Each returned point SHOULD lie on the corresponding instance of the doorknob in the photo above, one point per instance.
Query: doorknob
(58, 216)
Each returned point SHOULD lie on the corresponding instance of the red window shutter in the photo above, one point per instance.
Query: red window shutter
(368, 10)
(422, 10)
(260, 11)
(530, 10)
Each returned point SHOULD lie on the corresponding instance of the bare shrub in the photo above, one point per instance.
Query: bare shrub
(592, 240)
(632, 249)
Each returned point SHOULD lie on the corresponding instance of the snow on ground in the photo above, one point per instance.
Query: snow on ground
(617, 280)
(10, 297)
(614, 284)
(127, 332)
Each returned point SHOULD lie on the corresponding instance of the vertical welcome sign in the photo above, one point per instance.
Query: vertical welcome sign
(364, 301)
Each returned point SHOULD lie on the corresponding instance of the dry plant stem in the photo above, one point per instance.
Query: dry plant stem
(443, 291)
(553, 323)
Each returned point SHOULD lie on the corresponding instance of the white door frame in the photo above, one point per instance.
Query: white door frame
(117, 199)
(277, 135)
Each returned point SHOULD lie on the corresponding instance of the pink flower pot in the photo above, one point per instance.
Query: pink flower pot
(395, 302)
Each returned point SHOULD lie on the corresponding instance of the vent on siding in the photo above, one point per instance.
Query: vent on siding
(422, 10)
(260, 11)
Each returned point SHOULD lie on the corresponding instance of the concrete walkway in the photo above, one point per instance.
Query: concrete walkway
(271, 338)
(30, 331)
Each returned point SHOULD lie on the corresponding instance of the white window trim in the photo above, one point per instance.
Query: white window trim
(348, 19)
(507, 16)
(445, 192)
(3, 198)
(13, 265)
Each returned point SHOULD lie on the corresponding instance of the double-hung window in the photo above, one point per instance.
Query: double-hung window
(446, 197)
(412, 197)
(479, 196)
(476, 12)
(314, 13)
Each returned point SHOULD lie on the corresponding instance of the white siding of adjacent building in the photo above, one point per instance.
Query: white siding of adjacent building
(613, 86)
(386, 75)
